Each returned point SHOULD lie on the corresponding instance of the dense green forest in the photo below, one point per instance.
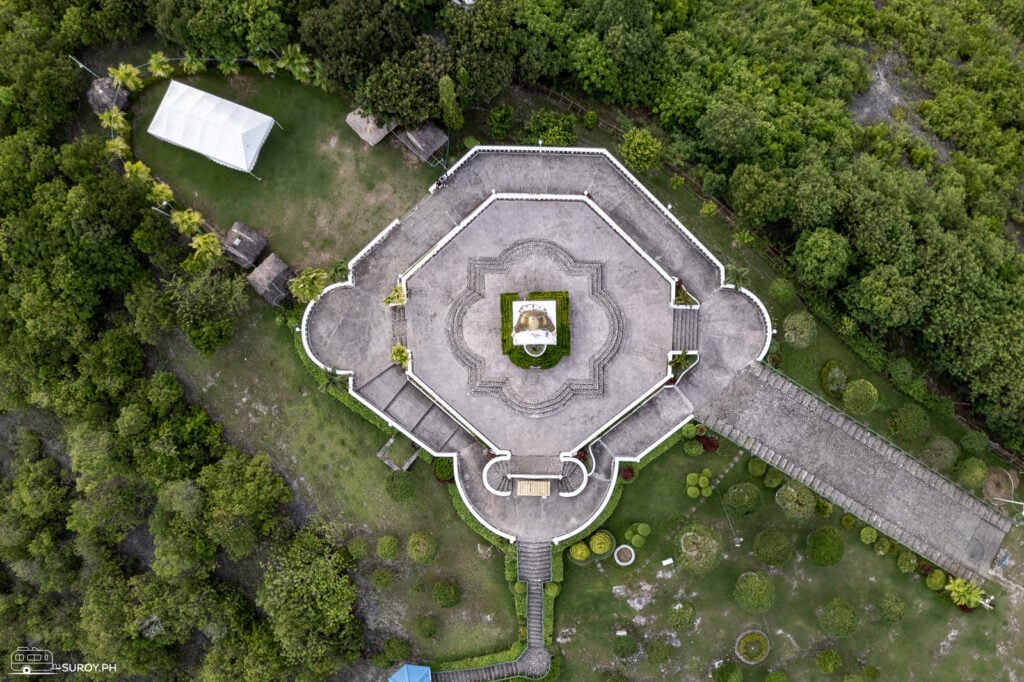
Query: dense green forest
(895, 232)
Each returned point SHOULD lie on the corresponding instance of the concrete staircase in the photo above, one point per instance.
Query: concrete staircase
(684, 328)
(572, 478)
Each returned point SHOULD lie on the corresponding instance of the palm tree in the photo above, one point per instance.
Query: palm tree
(737, 276)
(192, 64)
(126, 76)
(161, 193)
(400, 355)
(964, 593)
(205, 249)
(188, 221)
(116, 146)
(318, 77)
(309, 285)
(293, 59)
(113, 119)
(159, 66)
(229, 67)
(266, 65)
(136, 170)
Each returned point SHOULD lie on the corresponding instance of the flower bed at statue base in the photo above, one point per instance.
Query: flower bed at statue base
(752, 647)
(625, 555)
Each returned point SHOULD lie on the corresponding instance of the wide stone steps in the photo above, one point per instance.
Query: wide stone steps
(408, 406)
(684, 328)
(535, 614)
(534, 561)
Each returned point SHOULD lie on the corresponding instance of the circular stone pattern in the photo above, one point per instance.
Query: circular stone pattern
(752, 647)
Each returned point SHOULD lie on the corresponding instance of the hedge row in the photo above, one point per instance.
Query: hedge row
(598, 522)
(506, 656)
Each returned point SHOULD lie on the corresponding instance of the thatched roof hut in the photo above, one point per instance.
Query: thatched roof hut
(243, 245)
(104, 95)
(424, 141)
(366, 127)
(270, 279)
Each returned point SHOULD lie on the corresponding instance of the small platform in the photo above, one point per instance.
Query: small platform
(526, 487)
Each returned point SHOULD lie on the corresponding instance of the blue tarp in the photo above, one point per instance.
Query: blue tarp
(411, 673)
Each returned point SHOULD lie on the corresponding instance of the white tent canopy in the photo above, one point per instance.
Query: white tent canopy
(222, 131)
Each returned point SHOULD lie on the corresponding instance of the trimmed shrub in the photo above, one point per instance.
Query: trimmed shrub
(421, 547)
(590, 120)
(907, 561)
(884, 545)
(643, 529)
(972, 472)
(742, 499)
(579, 551)
(773, 478)
(638, 541)
(729, 671)
(936, 580)
(387, 547)
(444, 468)
(833, 379)
(860, 397)
(520, 587)
(658, 651)
(892, 608)
(908, 422)
(683, 617)
(799, 329)
(425, 627)
(757, 467)
(782, 290)
(705, 492)
(776, 676)
(394, 650)
(552, 590)
(825, 546)
(601, 542)
(709, 443)
(400, 486)
(704, 482)
(822, 508)
(702, 430)
(693, 492)
(700, 548)
(689, 431)
(940, 454)
(797, 501)
(773, 546)
(839, 618)
(828, 661)
(974, 443)
(624, 646)
(358, 548)
(692, 478)
(754, 592)
(868, 535)
(554, 128)
(382, 579)
(693, 448)
(446, 594)
(500, 120)
(848, 521)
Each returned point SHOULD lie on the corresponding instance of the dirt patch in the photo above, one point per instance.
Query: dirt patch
(242, 87)
(638, 597)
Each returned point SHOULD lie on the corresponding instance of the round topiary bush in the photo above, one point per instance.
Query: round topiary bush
(395, 649)
(693, 448)
(907, 561)
(799, 329)
(828, 661)
(825, 546)
(579, 552)
(782, 290)
(446, 594)
(693, 492)
(797, 501)
(754, 592)
(601, 543)
(773, 546)
(860, 397)
(638, 541)
(972, 472)
(421, 547)
(400, 486)
(358, 548)
(552, 589)
(752, 647)
(387, 547)
(892, 608)
(643, 529)
(382, 579)
(776, 676)
(444, 469)
(683, 616)
(868, 535)
(692, 478)
(689, 431)
(908, 422)
(520, 587)
(773, 478)
(940, 454)
(742, 499)
(728, 671)
(658, 651)
(839, 618)
(757, 467)
(833, 379)
(884, 545)
(936, 580)
(974, 443)
(848, 521)
(700, 548)
(822, 508)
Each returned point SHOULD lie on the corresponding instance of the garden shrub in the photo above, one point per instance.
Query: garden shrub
(839, 618)
(833, 379)
(822, 508)
(700, 548)
(892, 608)
(704, 482)
(796, 500)
(860, 397)
(552, 590)
(828, 661)
(909, 421)
(387, 547)
(757, 467)
(444, 468)
(590, 120)
(729, 671)
(701, 430)
(693, 448)
(940, 454)
(709, 443)
(907, 561)
(773, 546)
(782, 290)
(520, 587)
(468, 142)
(974, 443)
(884, 545)
(643, 529)
(900, 371)
(936, 580)
(683, 617)
(689, 430)
(972, 472)
(693, 492)
(601, 542)
(395, 649)
(658, 651)
(358, 548)
(848, 521)
(754, 592)
(382, 578)
(692, 478)
(752, 647)
(400, 486)
(825, 546)
(624, 646)
(773, 478)
(421, 547)
(705, 492)
(638, 541)
(868, 535)
(742, 499)
(776, 676)
(799, 329)
(627, 472)
(579, 551)
(500, 120)
(554, 128)
(425, 627)
(446, 594)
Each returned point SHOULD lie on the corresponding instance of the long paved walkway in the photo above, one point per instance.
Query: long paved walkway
(840, 460)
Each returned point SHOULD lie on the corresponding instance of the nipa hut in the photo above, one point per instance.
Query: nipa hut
(243, 245)
(270, 279)
(366, 127)
(424, 141)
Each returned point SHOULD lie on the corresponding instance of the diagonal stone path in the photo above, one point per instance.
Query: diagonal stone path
(815, 444)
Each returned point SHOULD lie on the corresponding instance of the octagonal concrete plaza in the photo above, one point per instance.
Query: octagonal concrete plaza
(526, 219)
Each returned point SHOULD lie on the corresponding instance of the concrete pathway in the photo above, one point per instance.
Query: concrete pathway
(842, 461)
